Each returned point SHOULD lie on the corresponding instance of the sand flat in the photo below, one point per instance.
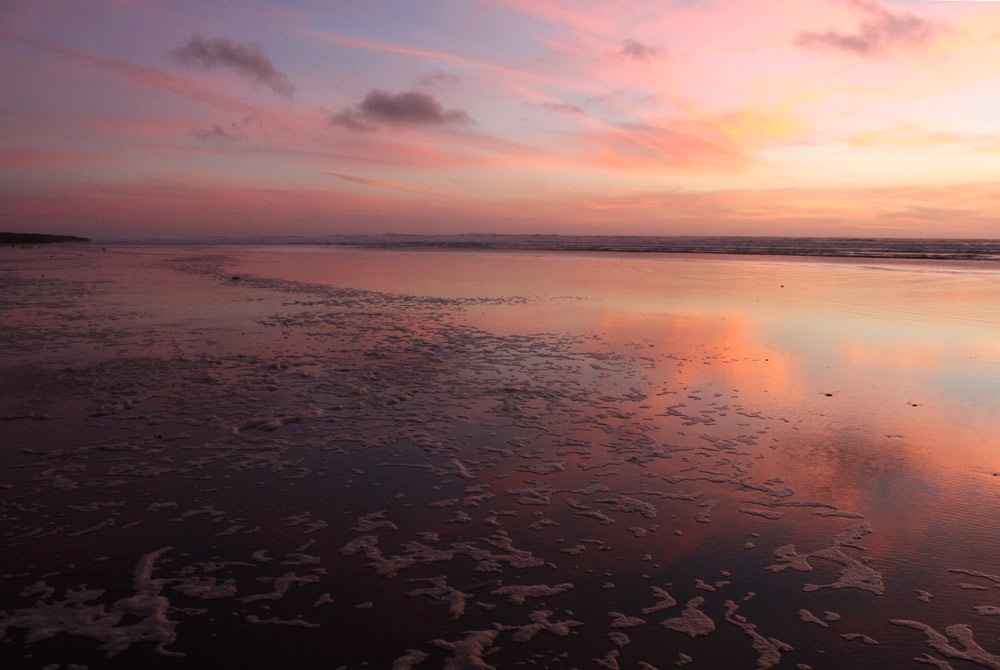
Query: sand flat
(193, 463)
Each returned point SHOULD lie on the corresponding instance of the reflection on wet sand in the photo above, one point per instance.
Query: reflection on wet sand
(473, 460)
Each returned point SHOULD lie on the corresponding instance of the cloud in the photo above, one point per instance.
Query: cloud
(352, 119)
(176, 209)
(411, 107)
(908, 135)
(247, 59)
(637, 146)
(15, 158)
(382, 183)
(874, 34)
(218, 134)
(533, 74)
(139, 75)
(563, 107)
(408, 108)
(438, 77)
(638, 50)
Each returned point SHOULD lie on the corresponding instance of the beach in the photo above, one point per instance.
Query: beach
(319, 456)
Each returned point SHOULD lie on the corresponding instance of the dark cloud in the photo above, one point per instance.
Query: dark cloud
(352, 119)
(409, 108)
(874, 34)
(247, 59)
(219, 134)
(638, 50)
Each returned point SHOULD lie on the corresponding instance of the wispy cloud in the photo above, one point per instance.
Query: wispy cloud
(694, 147)
(382, 183)
(916, 210)
(502, 71)
(438, 77)
(408, 108)
(915, 136)
(179, 208)
(247, 59)
(219, 134)
(140, 75)
(873, 35)
(29, 158)
(563, 107)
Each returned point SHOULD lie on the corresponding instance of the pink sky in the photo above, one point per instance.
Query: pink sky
(138, 118)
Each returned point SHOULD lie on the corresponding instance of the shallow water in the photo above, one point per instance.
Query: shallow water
(411, 432)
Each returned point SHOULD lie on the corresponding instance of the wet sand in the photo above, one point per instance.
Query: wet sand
(252, 456)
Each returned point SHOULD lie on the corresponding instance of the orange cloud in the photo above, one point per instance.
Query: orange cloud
(914, 136)
(648, 147)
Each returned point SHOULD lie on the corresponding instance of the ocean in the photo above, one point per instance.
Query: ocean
(835, 247)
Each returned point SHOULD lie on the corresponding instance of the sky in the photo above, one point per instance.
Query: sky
(133, 119)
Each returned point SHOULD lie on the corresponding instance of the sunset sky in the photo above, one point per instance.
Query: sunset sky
(138, 118)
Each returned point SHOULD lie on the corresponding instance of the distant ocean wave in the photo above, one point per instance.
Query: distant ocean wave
(929, 249)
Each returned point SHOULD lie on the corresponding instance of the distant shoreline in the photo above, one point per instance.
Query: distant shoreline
(925, 249)
(825, 247)
(38, 238)
(822, 247)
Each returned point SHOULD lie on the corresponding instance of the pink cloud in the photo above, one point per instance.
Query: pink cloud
(878, 30)
(174, 208)
(385, 184)
(652, 148)
(507, 72)
(140, 75)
